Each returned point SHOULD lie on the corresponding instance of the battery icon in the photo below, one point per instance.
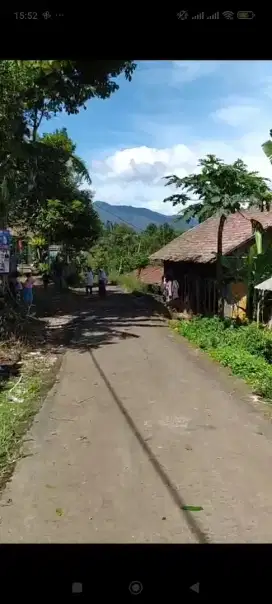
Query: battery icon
(245, 14)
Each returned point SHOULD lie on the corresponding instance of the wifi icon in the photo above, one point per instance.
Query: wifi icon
(228, 14)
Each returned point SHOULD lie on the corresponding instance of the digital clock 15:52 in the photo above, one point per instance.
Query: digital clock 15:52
(32, 15)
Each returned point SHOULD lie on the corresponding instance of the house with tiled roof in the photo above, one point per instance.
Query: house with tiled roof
(191, 257)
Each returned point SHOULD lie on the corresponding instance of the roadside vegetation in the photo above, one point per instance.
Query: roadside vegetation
(245, 349)
(45, 197)
(20, 398)
(120, 249)
(129, 283)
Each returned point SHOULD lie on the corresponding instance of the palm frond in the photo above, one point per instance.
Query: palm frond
(80, 167)
(267, 149)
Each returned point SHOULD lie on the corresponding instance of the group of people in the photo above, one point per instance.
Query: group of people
(170, 288)
(22, 290)
(101, 278)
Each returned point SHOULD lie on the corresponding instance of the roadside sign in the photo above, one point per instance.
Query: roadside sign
(4, 260)
(5, 238)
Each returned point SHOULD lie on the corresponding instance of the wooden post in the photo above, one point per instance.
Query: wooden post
(197, 295)
(258, 310)
(219, 267)
(262, 307)
(209, 296)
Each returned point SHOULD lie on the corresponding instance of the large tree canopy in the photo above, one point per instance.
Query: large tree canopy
(74, 224)
(219, 187)
(48, 169)
(29, 92)
(61, 85)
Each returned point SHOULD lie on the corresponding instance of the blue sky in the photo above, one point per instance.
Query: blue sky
(169, 116)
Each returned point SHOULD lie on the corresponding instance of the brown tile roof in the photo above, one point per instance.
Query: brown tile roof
(199, 244)
(151, 275)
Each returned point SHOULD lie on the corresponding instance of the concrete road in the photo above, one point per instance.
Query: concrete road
(138, 427)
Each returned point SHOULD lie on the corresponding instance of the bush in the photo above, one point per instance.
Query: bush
(114, 277)
(254, 370)
(131, 284)
(246, 349)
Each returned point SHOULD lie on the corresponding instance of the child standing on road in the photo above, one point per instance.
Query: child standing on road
(28, 290)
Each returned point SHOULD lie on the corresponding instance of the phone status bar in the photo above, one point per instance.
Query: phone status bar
(228, 15)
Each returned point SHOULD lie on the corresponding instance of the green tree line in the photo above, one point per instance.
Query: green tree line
(121, 249)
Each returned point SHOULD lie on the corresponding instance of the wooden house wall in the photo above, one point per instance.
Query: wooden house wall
(197, 286)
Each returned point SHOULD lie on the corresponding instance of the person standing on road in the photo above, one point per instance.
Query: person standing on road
(102, 282)
(28, 290)
(89, 279)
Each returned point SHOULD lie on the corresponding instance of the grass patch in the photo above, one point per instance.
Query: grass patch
(20, 399)
(246, 349)
(129, 283)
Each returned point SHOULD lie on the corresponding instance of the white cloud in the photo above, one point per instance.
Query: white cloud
(180, 119)
(173, 73)
(188, 71)
(237, 115)
(135, 176)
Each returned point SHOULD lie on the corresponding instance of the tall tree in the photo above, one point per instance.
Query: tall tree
(61, 85)
(73, 223)
(31, 91)
(13, 129)
(49, 169)
(221, 189)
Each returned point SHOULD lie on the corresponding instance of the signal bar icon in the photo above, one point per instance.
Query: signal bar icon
(214, 16)
(199, 16)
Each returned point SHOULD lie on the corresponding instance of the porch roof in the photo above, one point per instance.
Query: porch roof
(199, 244)
(265, 285)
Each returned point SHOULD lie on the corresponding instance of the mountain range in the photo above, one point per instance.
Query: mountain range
(138, 218)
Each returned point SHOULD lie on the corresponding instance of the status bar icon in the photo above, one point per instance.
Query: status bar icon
(245, 14)
(182, 15)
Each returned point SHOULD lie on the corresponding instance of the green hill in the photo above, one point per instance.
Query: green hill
(137, 218)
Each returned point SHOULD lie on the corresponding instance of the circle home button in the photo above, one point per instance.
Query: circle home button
(135, 588)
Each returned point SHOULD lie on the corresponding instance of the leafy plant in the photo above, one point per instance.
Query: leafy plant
(247, 350)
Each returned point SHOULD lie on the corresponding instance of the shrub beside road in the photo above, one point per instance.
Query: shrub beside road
(245, 349)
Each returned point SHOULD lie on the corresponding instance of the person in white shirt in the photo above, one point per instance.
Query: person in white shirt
(89, 279)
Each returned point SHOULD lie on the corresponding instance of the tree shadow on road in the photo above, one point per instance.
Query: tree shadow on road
(86, 323)
(71, 319)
